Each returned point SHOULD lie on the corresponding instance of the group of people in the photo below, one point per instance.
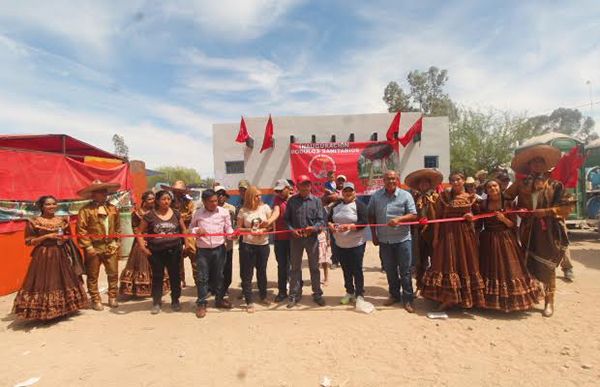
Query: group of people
(505, 260)
(484, 255)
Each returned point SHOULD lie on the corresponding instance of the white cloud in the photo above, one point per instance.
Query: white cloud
(218, 74)
(86, 24)
(232, 20)
(63, 96)
(147, 141)
(184, 118)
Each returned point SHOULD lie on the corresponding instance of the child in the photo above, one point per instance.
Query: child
(324, 255)
(330, 185)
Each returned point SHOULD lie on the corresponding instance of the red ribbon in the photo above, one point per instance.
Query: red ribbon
(422, 221)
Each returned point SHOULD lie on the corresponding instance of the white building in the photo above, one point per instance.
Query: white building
(234, 161)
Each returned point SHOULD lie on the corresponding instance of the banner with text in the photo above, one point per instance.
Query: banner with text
(363, 163)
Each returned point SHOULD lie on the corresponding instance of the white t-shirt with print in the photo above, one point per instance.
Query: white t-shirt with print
(250, 218)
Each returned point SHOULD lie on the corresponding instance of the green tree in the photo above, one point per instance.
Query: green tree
(566, 121)
(121, 149)
(484, 140)
(426, 94)
(171, 174)
(396, 99)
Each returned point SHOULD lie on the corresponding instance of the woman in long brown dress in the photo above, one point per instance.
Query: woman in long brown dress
(453, 277)
(508, 285)
(136, 277)
(51, 288)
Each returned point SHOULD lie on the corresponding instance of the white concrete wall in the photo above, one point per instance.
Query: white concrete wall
(262, 169)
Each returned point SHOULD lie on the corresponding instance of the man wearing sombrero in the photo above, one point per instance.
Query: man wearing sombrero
(423, 183)
(481, 177)
(100, 218)
(183, 203)
(542, 234)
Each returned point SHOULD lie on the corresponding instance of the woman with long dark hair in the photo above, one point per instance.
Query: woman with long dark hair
(164, 250)
(52, 287)
(453, 277)
(508, 285)
(136, 277)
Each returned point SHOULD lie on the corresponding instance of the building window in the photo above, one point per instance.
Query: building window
(431, 162)
(234, 167)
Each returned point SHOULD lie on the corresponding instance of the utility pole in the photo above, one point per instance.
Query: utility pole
(589, 83)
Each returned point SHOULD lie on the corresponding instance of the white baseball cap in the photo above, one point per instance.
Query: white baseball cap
(281, 184)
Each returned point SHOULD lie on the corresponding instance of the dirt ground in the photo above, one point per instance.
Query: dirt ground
(280, 347)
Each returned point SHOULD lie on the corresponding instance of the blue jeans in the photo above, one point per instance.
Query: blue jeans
(210, 264)
(397, 262)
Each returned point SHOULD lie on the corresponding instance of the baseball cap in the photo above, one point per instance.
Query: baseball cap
(281, 184)
(220, 188)
(342, 177)
(348, 184)
(244, 184)
(303, 179)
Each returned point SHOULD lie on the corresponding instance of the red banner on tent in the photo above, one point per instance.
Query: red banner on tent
(363, 163)
(29, 175)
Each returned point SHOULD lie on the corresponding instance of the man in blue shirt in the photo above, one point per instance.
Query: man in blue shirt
(305, 217)
(392, 206)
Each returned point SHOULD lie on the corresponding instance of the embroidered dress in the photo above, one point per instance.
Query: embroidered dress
(51, 288)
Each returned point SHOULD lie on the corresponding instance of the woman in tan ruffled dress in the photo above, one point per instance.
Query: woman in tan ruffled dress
(136, 277)
(52, 287)
(453, 277)
(508, 285)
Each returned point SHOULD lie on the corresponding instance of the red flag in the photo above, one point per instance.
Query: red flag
(567, 169)
(394, 129)
(268, 140)
(243, 134)
(413, 133)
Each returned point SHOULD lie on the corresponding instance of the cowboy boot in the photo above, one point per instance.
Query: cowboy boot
(549, 306)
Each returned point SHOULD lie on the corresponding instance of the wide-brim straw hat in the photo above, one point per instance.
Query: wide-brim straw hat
(433, 175)
(178, 186)
(98, 185)
(481, 173)
(550, 154)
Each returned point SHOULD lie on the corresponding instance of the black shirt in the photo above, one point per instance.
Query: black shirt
(157, 225)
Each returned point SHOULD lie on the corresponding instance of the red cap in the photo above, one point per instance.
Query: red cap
(303, 179)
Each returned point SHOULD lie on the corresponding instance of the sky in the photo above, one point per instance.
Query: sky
(160, 73)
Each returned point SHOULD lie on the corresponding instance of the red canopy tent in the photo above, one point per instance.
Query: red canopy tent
(59, 161)
(36, 165)
(54, 143)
